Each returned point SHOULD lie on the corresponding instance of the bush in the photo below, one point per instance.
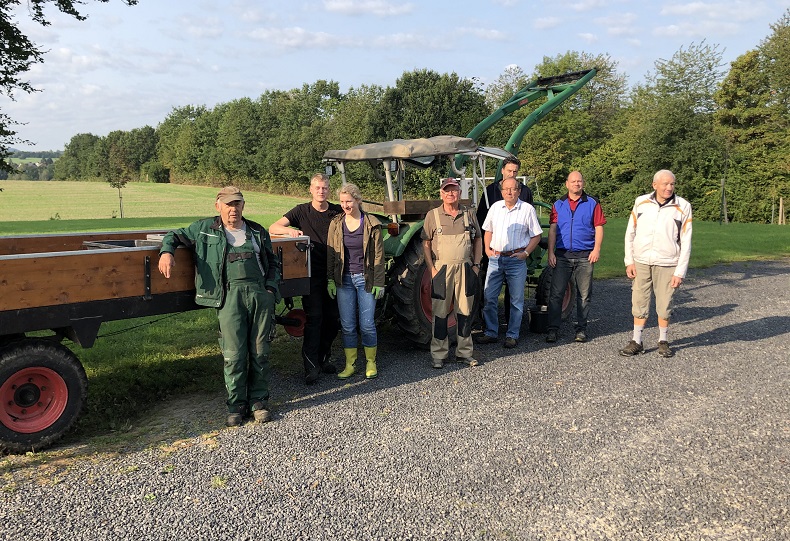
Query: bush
(154, 171)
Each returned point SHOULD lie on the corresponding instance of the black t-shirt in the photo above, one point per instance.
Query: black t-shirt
(314, 224)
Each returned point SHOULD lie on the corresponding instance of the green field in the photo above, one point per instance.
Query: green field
(31, 207)
(137, 365)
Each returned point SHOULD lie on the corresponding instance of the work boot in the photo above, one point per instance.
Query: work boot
(551, 336)
(351, 358)
(326, 366)
(370, 368)
(234, 419)
(312, 375)
(261, 413)
(581, 336)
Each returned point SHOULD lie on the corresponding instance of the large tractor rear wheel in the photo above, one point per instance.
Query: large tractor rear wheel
(543, 291)
(411, 287)
(43, 389)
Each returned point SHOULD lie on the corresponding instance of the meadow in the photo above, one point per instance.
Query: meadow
(137, 365)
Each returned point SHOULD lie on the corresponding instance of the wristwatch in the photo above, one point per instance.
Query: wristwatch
(475, 265)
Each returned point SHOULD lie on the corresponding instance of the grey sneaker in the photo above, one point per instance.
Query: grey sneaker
(581, 336)
(438, 363)
(260, 413)
(551, 336)
(631, 349)
(664, 349)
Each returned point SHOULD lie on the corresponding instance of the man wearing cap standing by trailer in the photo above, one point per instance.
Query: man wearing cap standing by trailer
(237, 273)
(453, 246)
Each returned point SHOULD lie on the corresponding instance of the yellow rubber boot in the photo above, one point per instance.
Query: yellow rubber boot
(370, 367)
(351, 358)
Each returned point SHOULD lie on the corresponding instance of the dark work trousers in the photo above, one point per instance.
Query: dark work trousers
(580, 270)
(321, 327)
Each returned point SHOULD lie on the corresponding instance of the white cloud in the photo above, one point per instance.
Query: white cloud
(698, 29)
(300, 38)
(506, 3)
(486, 34)
(588, 5)
(621, 24)
(206, 28)
(589, 38)
(379, 8)
(544, 23)
(411, 41)
(738, 11)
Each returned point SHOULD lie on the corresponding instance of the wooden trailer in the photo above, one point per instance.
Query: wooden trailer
(70, 284)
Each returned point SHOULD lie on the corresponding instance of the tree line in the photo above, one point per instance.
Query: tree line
(723, 132)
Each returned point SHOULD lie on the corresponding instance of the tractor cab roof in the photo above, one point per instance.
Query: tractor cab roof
(419, 151)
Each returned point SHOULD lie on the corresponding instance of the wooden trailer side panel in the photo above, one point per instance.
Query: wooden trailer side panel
(59, 278)
(40, 244)
(90, 275)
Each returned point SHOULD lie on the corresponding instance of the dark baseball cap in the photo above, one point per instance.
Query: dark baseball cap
(449, 182)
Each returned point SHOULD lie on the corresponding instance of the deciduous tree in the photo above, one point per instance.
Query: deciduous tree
(18, 54)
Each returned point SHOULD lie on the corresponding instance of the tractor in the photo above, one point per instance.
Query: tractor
(408, 290)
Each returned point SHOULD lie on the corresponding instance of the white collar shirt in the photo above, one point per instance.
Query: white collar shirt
(511, 229)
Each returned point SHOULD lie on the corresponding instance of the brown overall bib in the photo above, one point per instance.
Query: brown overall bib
(455, 284)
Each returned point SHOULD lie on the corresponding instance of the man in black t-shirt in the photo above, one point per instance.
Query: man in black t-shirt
(323, 321)
(510, 167)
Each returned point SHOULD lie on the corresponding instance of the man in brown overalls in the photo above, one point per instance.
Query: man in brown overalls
(453, 247)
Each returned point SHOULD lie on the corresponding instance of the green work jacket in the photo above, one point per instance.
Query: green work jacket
(206, 238)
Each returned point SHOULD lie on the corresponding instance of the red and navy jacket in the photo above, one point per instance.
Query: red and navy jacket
(576, 228)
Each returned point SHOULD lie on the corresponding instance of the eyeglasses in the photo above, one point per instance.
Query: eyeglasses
(510, 190)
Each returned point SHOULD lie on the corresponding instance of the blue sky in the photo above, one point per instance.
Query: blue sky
(127, 67)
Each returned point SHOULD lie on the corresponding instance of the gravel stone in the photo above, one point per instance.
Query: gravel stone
(562, 441)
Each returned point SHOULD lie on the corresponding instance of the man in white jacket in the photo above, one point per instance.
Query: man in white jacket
(657, 250)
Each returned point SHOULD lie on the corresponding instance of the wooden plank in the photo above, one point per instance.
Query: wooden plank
(87, 276)
(36, 280)
(37, 244)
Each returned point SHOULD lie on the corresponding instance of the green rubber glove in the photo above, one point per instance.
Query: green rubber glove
(378, 292)
(331, 288)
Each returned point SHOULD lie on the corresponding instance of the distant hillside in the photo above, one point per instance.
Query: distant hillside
(22, 154)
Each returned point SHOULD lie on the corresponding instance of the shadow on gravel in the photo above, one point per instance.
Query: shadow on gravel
(748, 331)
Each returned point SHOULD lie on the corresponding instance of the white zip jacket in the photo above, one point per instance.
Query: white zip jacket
(659, 235)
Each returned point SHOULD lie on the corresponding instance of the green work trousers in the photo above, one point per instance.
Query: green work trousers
(245, 324)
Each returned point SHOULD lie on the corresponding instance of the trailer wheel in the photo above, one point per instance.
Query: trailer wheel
(543, 291)
(43, 389)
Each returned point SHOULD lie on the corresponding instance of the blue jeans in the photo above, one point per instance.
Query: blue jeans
(513, 270)
(581, 272)
(352, 299)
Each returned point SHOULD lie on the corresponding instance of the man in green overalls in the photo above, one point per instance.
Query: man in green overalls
(453, 247)
(237, 273)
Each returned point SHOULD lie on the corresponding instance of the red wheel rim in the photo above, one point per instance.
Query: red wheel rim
(32, 400)
(425, 300)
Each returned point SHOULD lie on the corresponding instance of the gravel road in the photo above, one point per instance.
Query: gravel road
(545, 442)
